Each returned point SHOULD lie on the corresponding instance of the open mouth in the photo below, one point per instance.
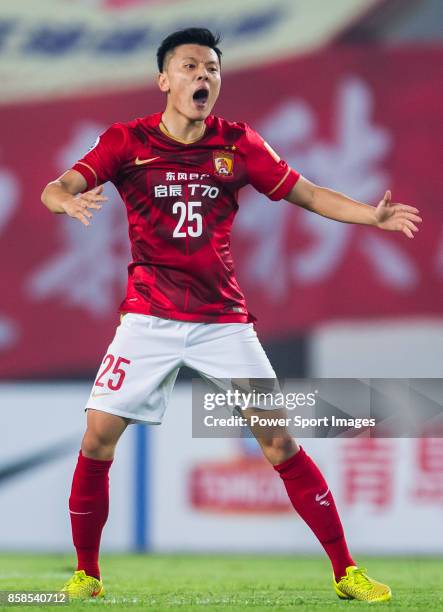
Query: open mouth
(200, 97)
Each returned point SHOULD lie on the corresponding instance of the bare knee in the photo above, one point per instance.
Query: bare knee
(279, 449)
(102, 434)
(96, 446)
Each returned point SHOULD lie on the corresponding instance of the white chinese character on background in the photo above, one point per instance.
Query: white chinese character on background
(351, 163)
(9, 188)
(170, 176)
(439, 257)
(182, 176)
(160, 191)
(88, 269)
(175, 190)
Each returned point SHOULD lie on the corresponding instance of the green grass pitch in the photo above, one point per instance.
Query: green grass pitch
(224, 582)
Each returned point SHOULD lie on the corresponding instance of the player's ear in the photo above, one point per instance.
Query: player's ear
(163, 82)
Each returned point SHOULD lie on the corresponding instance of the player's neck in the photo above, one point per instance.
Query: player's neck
(181, 128)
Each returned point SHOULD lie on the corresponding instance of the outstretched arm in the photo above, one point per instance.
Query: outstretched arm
(336, 206)
(65, 195)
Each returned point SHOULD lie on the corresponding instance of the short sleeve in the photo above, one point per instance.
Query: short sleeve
(266, 171)
(102, 162)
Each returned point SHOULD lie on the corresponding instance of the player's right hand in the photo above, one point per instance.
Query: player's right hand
(80, 206)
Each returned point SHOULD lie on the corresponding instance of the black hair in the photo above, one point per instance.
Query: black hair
(196, 36)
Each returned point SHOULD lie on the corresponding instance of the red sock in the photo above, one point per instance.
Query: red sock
(306, 488)
(88, 507)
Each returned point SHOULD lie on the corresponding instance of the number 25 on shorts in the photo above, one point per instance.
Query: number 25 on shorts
(116, 376)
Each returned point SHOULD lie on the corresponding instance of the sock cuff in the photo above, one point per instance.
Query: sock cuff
(95, 464)
(294, 466)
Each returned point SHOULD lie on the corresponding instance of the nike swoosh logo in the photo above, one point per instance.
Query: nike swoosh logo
(94, 394)
(140, 162)
(320, 497)
(34, 459)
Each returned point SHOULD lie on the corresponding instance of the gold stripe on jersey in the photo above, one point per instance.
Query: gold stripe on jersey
(91, 169)
(280, 183)
(167, 133)
(270, 150)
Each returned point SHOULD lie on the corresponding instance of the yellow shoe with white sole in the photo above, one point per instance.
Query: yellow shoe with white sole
(358, 585)
(81, 586)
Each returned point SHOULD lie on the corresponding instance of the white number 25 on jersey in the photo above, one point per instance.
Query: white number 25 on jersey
(192, 217)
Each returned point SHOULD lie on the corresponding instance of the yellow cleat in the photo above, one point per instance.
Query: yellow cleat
(81, 586)
(357, 585)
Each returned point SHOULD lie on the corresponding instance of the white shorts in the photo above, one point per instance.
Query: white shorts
(138, 372)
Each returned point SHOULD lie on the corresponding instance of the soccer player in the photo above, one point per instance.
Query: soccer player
(179, 173)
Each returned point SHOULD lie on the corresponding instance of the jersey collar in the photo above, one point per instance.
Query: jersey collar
(167, 133)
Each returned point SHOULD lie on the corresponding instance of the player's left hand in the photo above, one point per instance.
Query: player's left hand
(396, 217)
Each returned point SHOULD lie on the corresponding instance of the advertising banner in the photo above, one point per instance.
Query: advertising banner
(59, 48)
(219, 494)
(327, 114)
(172, 492)
(41, 427)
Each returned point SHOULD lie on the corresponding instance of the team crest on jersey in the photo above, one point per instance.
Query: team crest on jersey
(223, 163)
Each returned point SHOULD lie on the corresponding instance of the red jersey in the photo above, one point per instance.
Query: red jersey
(181, 200)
